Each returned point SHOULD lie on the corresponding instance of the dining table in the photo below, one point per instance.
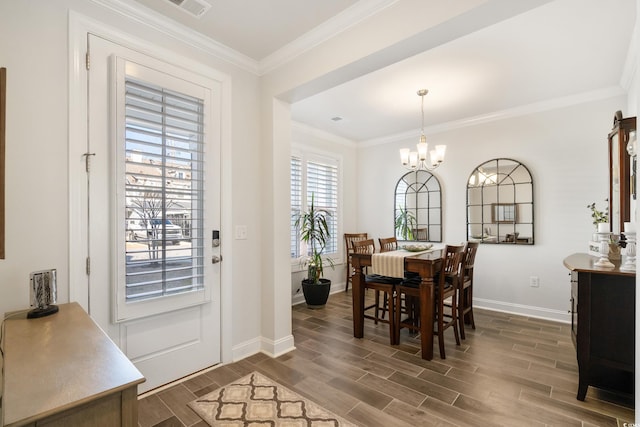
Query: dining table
(426, 265)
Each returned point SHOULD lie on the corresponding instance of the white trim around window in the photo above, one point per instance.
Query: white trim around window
(309, 155)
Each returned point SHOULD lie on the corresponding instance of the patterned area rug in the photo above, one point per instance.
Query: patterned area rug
(256, 400)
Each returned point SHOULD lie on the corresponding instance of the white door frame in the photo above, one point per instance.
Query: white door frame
(79, 27)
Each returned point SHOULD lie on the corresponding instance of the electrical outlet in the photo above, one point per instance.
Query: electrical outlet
(534, 281)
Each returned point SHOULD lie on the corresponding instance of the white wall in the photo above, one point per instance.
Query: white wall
(565, 150)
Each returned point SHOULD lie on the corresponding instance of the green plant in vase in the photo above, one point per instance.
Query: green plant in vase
(598, 216)
(405, 223)
(314, 231)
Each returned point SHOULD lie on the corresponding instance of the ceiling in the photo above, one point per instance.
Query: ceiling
(255, 28)
(560, 52)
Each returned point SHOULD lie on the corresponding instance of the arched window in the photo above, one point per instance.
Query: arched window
(500, 203)
(418, 207)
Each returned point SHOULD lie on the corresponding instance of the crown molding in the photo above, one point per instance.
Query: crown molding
(321, 134)
(346, 19)
(323, 32)
(537, 107)
(162, 24)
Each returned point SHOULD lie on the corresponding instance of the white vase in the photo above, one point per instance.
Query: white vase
(630, 252)
(603, 227)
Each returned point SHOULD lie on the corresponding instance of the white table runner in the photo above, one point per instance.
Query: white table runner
(391, 263)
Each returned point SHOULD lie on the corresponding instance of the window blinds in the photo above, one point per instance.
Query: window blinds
(163, 191)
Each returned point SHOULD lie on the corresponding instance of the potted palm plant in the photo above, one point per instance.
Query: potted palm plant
(314, 231)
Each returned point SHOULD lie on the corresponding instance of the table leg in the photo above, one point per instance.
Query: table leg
(357, 293)
(426, 317)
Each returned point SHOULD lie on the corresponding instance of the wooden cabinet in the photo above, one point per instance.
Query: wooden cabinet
(602, 324)
(63, 370)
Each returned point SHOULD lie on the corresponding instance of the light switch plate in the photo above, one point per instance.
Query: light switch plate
(241, 232)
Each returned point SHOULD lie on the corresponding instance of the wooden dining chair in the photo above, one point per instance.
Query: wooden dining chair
(379, 284)
(421, 234)
(349, 238)
(511, 237)
(445, 297)
(363, 246)
(366, 246)
(465, 289)
(388, 244)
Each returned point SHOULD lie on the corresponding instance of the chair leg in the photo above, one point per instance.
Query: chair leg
(377, 307)
(470, 306)
(392, 326)
(461, 307)
(413, 311)
(396, 314)
(384, 308)
(346, 283)
(454, 318)
(440, 323)
(441, 330)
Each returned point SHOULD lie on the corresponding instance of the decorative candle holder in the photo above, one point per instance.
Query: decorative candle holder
(604, 251)
(630, 251)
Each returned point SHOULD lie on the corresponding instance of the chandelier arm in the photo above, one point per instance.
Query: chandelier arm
(422, 166)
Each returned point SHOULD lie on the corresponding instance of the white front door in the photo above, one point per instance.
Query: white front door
(153, 203)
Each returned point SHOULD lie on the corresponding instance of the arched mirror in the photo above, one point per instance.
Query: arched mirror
(418, 207)
(500, 203)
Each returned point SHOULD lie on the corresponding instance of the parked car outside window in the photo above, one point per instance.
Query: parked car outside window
(153, 230)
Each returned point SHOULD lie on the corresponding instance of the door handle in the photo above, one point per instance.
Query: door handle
(216, 259)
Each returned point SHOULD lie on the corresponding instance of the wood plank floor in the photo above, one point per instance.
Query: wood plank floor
(510, 371)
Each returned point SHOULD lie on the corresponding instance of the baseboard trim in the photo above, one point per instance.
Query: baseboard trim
(487, 304)
(502, 306)
(523, 310)
(246, 349)
(263, 345)
(277, 348)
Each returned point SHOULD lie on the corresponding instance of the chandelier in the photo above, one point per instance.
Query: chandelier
(422, 159)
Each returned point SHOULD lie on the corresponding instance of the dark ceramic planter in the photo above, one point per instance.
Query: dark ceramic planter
(316, 296)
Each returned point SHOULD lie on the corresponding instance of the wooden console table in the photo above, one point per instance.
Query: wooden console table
(602, 324)
(63, 370)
